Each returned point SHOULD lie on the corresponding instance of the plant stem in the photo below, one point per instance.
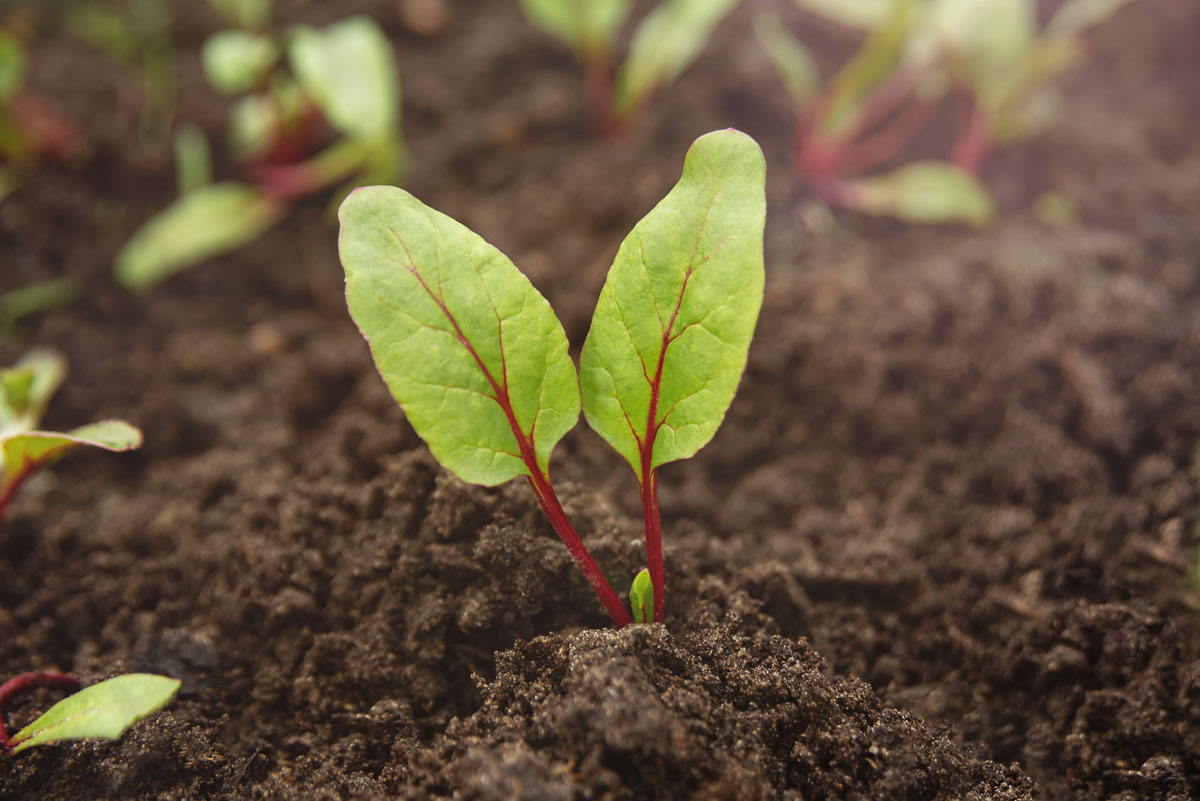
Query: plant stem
(9, 486)
(566, 532)
(598, 86)
(886, 142)
(974, 142)
(653, 526)
(538, 478)
(27, 682)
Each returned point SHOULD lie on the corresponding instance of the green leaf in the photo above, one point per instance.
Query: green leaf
(790, 58)
(641, 597)
(252, 14)
(237, 61)
(670, 333)
(12, 65)
(864, 14)
(992, 40)
(663, 46)
(875, 60)
(253, 121)
(460, 336)
(29, 450)
(348, 70)
(193, 160)
(587, 26)
(34, 298)
(104, 710)
(925, 192)
(26, 389)
(206, 222)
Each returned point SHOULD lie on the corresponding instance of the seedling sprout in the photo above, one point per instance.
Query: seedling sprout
(283, 87)
(984, 55)
(478, 361)
(664, 44)
(25, 390)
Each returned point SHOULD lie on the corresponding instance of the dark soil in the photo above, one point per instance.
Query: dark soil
(940, 548)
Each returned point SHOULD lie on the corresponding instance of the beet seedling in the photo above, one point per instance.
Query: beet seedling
(664, 44)
(478, 361)
(289, 88)
(102, 711)
(24, 392)
(986, 55)
(31, 131)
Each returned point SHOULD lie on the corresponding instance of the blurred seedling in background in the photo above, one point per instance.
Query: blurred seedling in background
(101, 711)
(664, 44)
(311, 108)
(34, 298)
(985, 56)
(478, 361)
(31, 130)
(137, 35)
(25, 390)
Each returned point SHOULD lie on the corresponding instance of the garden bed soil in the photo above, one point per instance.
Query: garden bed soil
(940, 548)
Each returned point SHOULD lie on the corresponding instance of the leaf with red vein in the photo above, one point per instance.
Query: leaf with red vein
(672, 328)
(471, 351)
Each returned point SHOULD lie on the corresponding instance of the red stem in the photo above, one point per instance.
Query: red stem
(10, 488)
(975, 140)
(538, 478)
(885, 143)
(653, 525)
(562, 526)
(25, 683)
(882, 102)
(598, 86)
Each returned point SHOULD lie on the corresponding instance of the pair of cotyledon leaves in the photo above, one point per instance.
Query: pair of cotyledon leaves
(478, 360)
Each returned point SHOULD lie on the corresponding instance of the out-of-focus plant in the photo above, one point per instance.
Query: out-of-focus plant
(664, 44)
(25, 390)
(985, 55)
(31, 130)
(137, 35)
(30, 299)
(291, 93)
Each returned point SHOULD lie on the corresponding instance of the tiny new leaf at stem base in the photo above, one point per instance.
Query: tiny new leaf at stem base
(672, 328)
(104, 711)
(641, 597)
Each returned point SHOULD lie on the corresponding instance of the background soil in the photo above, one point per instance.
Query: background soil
(939, 549)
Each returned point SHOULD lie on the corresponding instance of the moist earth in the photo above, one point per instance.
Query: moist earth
(942, 546)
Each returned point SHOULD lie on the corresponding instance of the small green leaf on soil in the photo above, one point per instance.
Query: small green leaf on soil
(237, 61)
(588, 26)
(348, 69)
(791, 59)
(23, 451)
(671, 330)
(641, 597)
(664, 45)
(925, 192)
(104, 710)
(467, 346)
(208, 221)
(26, 389)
